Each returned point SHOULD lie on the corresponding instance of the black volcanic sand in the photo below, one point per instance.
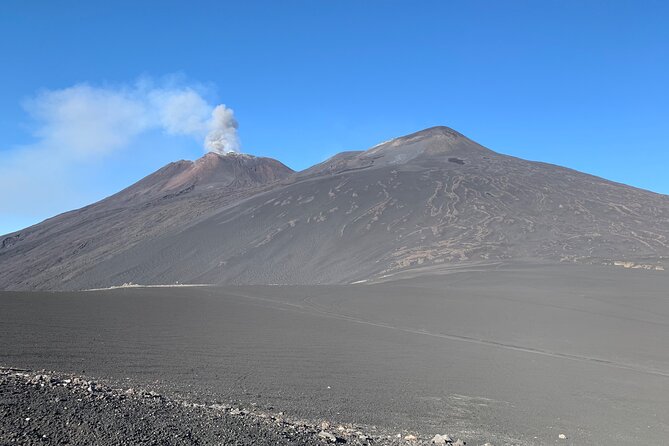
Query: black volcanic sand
(513, 355)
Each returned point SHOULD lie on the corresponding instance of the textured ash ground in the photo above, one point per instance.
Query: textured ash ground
(507, 355)
(38, 408)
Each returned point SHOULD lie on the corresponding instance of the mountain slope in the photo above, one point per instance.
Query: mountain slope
(47, 255)
(420, 202)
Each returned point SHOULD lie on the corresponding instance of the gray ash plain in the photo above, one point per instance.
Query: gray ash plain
(514, 354)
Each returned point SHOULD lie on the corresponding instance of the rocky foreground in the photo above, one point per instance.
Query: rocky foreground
(55, 408)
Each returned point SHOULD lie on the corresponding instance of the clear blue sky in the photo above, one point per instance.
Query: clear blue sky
(584, 84)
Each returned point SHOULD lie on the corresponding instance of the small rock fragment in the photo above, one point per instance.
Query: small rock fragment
(441, 439)
(220, 406)
(562, 437)
(152, 394)
(327, 436)
(410, 437)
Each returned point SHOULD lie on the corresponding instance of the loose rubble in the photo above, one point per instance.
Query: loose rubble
(52, 408)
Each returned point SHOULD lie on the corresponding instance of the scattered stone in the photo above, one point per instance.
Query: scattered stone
(459, 442)
(220, 406)
(327, 436)
(441, 439)
(562, 437)
(56, 411)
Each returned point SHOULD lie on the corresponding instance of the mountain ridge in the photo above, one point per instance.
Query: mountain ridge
(424, 201)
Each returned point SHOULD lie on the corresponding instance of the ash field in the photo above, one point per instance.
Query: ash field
(427, 286)
(506, 355)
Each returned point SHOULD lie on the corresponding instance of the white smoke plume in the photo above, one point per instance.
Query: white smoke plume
(91, 121)
(79, 130)
(222, 137)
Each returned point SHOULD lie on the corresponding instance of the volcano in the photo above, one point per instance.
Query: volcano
(421, 203)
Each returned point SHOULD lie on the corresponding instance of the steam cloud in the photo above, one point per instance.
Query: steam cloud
(89, 121)
(79, 129)
(222, 137)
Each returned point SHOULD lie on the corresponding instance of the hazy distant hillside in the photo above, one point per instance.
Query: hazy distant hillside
(417, 203)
